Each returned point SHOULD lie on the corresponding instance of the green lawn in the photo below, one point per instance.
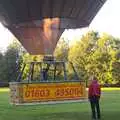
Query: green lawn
(110, 108)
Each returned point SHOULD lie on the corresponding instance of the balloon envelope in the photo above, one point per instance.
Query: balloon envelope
(38, 24)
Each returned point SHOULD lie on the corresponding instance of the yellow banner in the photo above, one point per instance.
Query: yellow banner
(53, 91)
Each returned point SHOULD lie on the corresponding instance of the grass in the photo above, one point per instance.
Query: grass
(110, 109)
(4, 89)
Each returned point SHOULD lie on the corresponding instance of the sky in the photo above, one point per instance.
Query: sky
(107, 20)
(5, 37)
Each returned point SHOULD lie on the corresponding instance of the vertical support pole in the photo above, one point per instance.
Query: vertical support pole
(76, 75)
(30, 72)
(64, 69)
(55, 71)
(41, 77)
(20, 74)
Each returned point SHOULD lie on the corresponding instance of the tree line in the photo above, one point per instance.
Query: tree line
(91, 55)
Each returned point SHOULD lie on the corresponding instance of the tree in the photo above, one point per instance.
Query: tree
(1, 66)
(10, 65)
(10, 70)
(61, 51)
(80, 54)
(94, 55)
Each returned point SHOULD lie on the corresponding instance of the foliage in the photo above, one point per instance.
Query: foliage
(1, 65)
(93, 55)
(9, 66)
(61, 51)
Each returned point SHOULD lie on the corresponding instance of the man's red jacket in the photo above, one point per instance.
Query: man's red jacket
(94, 89)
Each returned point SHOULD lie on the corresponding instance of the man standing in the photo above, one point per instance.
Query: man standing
(94, 93)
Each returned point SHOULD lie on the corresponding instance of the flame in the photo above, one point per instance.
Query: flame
(50, 30)
(48, 25)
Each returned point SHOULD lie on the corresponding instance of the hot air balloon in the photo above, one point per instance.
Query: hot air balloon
(38, 25)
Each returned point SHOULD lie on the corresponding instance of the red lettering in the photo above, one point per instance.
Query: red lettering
(57, 92)
(42, 93)
(32, 93)
(27, 94)
(67, 92)
(36, 93)
(47, 93)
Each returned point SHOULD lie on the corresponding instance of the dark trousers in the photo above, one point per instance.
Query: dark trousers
(94, 101)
